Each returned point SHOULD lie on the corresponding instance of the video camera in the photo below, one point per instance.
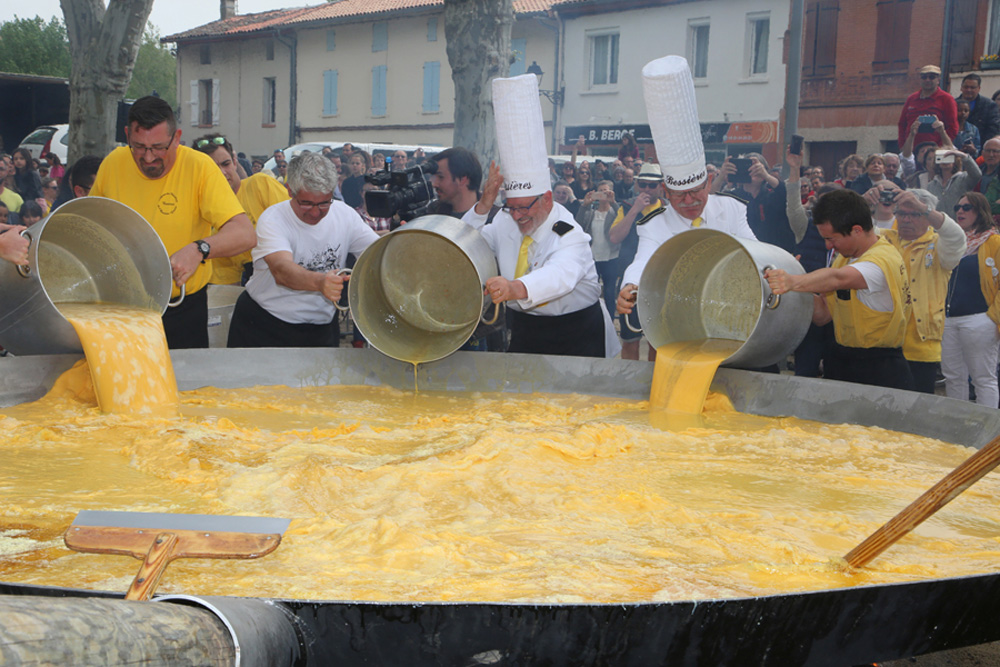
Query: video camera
(407, 193)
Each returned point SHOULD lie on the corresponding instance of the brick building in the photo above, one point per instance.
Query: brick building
(860, 61)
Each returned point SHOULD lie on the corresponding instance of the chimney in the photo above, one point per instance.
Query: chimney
(227, 9)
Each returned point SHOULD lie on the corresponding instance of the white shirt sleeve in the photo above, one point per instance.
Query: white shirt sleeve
(475, 220)
(877, 296)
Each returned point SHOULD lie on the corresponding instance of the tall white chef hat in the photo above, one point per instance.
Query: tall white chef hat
(673, 120)
(521, 136)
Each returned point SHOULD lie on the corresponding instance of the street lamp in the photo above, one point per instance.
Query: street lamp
(554, 96)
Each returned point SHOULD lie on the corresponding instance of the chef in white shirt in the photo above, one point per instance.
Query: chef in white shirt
(547, 273)
(673, 120)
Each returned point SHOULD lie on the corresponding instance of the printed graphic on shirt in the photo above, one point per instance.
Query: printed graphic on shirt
(323, 261)
(167, 204)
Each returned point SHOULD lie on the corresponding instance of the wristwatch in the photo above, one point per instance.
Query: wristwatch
(930, 209)
(203, 248)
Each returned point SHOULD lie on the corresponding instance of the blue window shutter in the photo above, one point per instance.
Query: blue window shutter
(331, 40)
(432, 85)
(518, 47)
(330, 92)
(380, 36)
(378, 90)
(432, 29)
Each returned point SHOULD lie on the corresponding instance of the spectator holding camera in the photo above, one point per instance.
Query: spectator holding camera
(764, 195)
(954, 174)
(596, 215)
(969, 139)
(927, 105)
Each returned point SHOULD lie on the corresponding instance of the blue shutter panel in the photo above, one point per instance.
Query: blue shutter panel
(378, 90)
(380, 36)
(518, 47)
(432, 85)
(331, 40)
(330, 92)
(432, 29)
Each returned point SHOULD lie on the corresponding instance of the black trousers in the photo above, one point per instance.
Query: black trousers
(186, 325)
(579, 334)
(252, 326)
(879, 366)
(924, 375)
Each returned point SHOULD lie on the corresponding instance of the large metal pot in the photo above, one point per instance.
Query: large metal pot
(704, 283)
(88, 250)
(416, 294)
(836, 627)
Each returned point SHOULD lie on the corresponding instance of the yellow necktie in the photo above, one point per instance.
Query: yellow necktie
(522, 257)
(697, 222)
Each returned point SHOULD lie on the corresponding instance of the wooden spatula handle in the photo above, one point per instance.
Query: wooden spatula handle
(160, 554)
(958, 480)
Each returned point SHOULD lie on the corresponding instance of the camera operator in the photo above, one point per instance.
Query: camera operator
(456, 182)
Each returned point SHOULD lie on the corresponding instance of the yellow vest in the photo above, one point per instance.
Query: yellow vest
(256, 194)
(989, 283)
(184, 205)
(928, 292)
(857, 325)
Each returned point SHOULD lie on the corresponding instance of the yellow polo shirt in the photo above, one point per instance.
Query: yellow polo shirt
(184, 205)
(256, 194)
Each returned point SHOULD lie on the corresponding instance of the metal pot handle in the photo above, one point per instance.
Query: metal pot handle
(180, 299)
(343, 309)
(496, 314)
(24, 270)
(773, 300)
(628, 322)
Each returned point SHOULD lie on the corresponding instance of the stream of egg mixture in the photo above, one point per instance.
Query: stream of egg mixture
(396, 496)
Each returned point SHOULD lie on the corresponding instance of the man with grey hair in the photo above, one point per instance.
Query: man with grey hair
(932, 245)
(302, 244)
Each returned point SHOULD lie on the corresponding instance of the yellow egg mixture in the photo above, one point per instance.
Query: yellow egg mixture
(397, 496)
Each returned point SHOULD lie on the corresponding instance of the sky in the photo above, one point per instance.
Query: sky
(169, 16)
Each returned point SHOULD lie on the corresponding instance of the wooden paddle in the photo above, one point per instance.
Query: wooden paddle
(158, 539)
(958, 480)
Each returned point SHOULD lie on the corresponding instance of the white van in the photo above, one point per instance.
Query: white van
(318, 146)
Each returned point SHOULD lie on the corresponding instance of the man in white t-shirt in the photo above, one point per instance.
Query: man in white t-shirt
(302, 244)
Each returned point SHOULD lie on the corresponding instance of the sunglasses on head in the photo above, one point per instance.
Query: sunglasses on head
(218, 141)
(963, 207)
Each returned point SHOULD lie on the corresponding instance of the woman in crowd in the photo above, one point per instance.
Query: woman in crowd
(949, 181)
(874, 173)
(31, 213)
(27, 182)
(972, 310)
(596, 214)
(851, 168)
(56, 168)
(50, 189)
(628, 148)
(583, 183)
(569, 173)
(562, 194)
(358, 164)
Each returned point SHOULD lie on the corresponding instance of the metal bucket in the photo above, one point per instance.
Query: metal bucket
(705, 283)
(88, 250)
(416, 294)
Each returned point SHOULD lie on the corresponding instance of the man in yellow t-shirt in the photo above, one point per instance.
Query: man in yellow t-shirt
(184, 196)
(256, 193)
(865, 293)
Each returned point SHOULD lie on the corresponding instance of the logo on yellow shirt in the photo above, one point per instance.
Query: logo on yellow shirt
(167, 204)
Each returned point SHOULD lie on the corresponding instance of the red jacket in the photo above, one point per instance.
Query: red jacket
(939, 104)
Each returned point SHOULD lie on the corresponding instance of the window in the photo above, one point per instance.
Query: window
(331, 40)
(330, 92)
(206, 54)
(204, 102)
(603, 59)
(432, 85)
(963, 35)
(892, 35)
(819, 57)
(380, 37)
(269, 50)
(993, 43)
(432, 29)
(518, 48)
(698, 47)
(378, 90)
(758, 38)
(270, 100)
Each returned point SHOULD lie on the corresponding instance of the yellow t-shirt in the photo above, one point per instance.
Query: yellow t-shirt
(256, 193)
(857, 325)
(184, 205)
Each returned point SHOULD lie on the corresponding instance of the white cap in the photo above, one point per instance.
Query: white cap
(673, 120)
(521, 136)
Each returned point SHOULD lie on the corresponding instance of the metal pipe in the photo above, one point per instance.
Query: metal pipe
(293, 84)
(949, 10)
(793, 78)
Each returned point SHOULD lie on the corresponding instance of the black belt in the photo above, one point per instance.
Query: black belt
(580, 333)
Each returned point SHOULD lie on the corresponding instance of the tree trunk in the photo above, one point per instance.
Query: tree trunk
(103, 44)
(478, 36)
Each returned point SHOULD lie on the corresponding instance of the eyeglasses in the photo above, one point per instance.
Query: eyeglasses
(321, 205)
(157, 151)
(928, 76)
(963, 207)
(218, 141)
(516, 209)
(909, 214)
